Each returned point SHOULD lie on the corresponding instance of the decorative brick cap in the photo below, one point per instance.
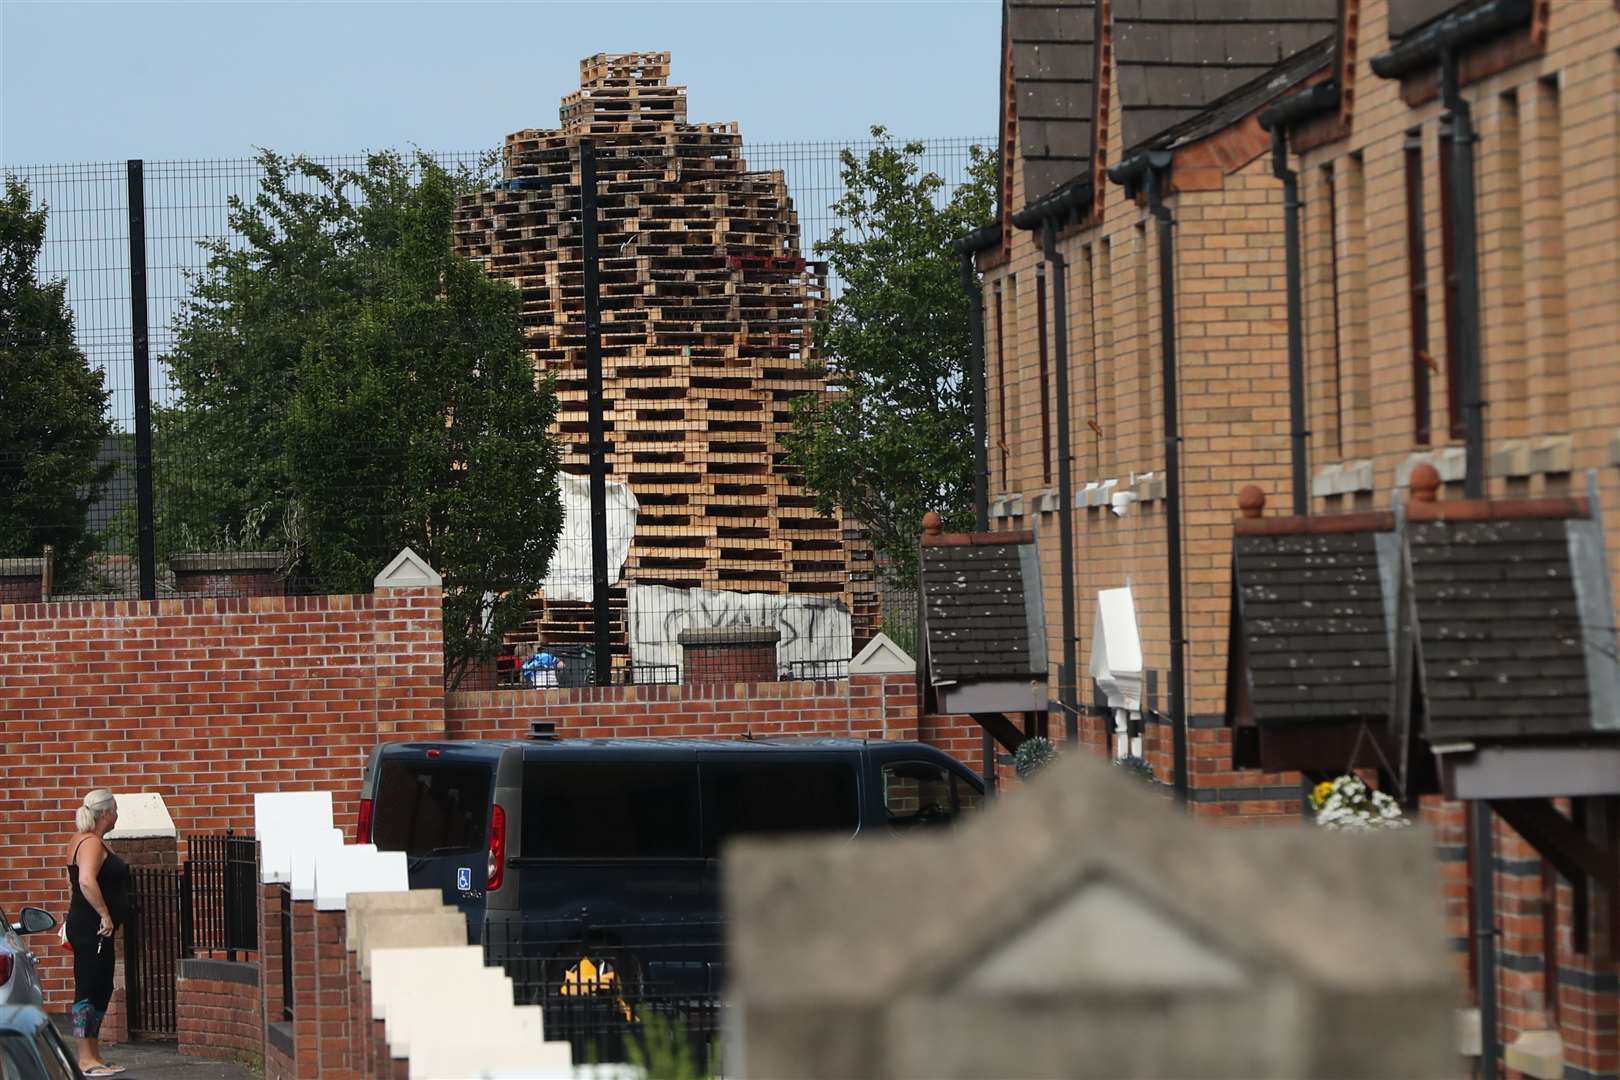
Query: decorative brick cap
(729, 635)
(932, 523)
(1252, 501)
(1424, 483)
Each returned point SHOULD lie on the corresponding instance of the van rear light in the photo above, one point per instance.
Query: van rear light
(497, 847)
(362, 830)
(5, 968)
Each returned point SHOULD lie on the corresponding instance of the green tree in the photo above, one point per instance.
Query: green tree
(53, 404)
(894, 437)
(355, 386)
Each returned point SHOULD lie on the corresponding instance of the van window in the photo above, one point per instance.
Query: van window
(431, 807)
(920, 793)
(777, 797)
(607, 810)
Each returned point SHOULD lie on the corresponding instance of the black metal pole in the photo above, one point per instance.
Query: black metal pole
(1459, 143)
(598, 425)
(145, 531)
(1172, 470)
(981, 455)
(1465, 258)
(1299, 427)
(1068, 677)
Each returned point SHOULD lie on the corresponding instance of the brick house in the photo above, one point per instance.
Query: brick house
(1085, 85)
(1461, 366)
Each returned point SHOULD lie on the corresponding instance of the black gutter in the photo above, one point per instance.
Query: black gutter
(1147, 169)
(1442, 43)
(1066, 203)
(1424, 48)
(968, 246)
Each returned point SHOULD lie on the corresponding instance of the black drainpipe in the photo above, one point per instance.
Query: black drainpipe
(1048, 214)
(1147, 169)
(1442, 43)
(1277, 120)
(1293, 110)
(968, 246)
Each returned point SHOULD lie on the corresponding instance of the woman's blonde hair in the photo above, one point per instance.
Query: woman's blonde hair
(95, 804)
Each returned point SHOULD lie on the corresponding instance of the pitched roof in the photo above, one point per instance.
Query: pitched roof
(1313, 600)
(981, 607)
(1175, 57)
(1054, 71)
(1514, 626)
(1406, 16)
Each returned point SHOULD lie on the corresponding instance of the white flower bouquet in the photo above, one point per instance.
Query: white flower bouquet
(1349, 805)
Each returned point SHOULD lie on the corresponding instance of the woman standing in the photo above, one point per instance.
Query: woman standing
(100, 883)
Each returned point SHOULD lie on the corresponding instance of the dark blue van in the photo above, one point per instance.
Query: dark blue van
(570, 834)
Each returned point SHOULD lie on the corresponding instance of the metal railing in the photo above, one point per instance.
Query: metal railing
(286, 953)
(613, 991)
(221, 900)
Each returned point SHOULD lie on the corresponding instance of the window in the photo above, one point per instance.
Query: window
(1145, 418)
(1046, 377)
(609, 810)
(1453, 290)
(773, 798)
(1102, 351)
(1331, 225)
(1001, 385)
(427, 808)
(922, 794)
(1417, 286)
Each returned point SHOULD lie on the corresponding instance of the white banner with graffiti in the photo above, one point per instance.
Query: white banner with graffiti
(813, 628)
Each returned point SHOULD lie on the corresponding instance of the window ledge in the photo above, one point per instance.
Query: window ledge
(1345, 478)
(1045, 502)
(1095, 494)
(1450, 462)
(1536, 1053)
(1004, 506)
(1522, 458)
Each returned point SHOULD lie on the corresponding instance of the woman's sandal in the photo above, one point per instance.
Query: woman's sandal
(104, 1070)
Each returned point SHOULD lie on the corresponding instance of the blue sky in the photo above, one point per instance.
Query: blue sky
(108, 81)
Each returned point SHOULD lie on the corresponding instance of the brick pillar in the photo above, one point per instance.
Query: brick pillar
(22, 581)
(729, 654)
(271, 1004)
(332, 1000)
(359, 1017)
(306, 995)
(379, 1061)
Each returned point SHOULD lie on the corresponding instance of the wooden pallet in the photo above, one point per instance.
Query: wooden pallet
(708, 311)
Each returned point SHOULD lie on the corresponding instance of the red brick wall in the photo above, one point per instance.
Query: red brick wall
(863, 706)
(205, 701)
(218, 1008)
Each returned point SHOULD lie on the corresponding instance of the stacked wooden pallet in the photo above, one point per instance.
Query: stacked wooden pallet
(707, 309)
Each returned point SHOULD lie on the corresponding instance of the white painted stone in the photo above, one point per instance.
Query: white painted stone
(408, 571)
(356, 868)
(444, 927)
(142, 815)
(478, 998)
(400, 972)
(367, 905)
(507, 1041)
(882, 657)
(280, 820)
(306, 849)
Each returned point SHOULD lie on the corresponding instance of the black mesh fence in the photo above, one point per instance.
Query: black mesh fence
(709, 291)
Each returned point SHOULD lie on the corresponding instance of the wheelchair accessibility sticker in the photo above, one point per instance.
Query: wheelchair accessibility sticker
(463, 877)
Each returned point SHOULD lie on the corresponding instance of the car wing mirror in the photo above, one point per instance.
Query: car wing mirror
(36, 921)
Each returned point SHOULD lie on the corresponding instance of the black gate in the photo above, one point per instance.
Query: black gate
(152, 946)
(209, 905)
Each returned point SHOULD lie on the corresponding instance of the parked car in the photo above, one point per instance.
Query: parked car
(630, 830)
(31, 1049)
(19, 979)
